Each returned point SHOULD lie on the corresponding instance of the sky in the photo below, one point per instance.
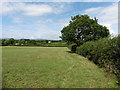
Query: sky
(45, 20)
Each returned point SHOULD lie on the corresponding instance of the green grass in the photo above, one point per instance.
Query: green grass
(54, 44)
(51, 67)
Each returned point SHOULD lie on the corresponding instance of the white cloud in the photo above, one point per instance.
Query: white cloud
(42, 28)
(4, 6)
(26, 9)
(107, 16)
(34, 31)
(7, 7)
(60, 0)
(77, 0)
(37, 10)
(46, 21)
(61, 23)
(45, 28)
(49, 29)
(32, 9)
(17, 20)
(60, 7)
(92, 9)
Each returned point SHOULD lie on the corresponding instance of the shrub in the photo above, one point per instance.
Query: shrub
(72, 47)
(104, 52)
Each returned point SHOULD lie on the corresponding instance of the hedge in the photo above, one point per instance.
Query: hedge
(104, 52)
(72, 47)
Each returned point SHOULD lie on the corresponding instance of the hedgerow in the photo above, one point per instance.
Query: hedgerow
(104, 52)
(72, 47)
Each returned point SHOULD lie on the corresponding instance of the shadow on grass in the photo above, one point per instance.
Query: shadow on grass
(71, 51)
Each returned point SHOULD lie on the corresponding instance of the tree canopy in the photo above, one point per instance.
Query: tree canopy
(82, 28)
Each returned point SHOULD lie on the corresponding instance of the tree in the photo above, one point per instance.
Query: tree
(32, 42)
(24, 41)
(10, 41)
(3, 42)
(82, 28)
(6, 43)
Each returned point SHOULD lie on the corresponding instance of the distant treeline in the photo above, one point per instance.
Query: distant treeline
(28, 42)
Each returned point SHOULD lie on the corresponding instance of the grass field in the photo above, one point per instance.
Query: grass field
(51, 67)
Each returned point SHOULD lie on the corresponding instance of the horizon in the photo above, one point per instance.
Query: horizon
(29, 39)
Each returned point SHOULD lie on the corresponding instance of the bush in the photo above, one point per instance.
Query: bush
(72, 47)
(104, 52)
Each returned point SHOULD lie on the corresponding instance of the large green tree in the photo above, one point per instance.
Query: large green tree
(82, 28)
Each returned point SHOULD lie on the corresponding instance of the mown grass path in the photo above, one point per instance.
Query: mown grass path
(51, 67)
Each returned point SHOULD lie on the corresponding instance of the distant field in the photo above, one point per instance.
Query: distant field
(51, 67)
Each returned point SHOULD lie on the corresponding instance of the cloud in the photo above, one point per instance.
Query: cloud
(60, 7)
(17, 20)
(77, 0)
(37, 10)
(26, 9)
(107, 16)
(62, 22)
(92, 9)
(17, 32)
(32, 9)
(35, 27)
(8, 8)
(49, 29)
(60, 0)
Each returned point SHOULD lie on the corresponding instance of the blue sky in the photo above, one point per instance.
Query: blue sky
(45, 20)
